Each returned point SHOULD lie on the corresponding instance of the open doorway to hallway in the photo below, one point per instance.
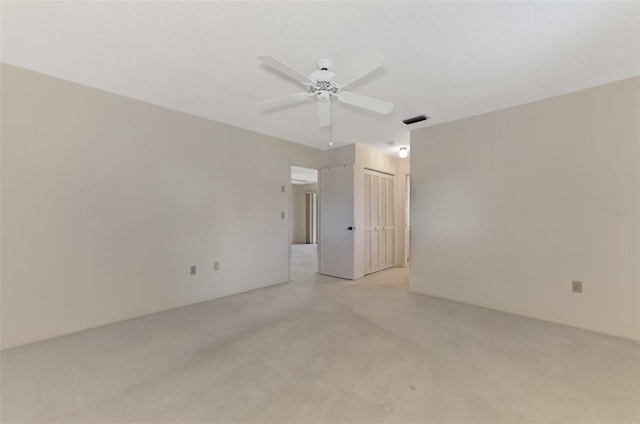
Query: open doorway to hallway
(304, 221)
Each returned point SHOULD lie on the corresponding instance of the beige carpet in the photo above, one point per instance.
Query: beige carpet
(321, 349)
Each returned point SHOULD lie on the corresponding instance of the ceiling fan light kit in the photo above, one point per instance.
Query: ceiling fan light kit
(323, 85)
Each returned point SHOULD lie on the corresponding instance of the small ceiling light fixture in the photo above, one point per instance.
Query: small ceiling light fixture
(403, 153)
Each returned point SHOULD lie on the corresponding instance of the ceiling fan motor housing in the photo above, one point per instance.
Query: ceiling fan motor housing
(322, 84)
(325, 64)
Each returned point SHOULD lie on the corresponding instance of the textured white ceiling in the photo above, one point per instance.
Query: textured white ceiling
(446, 59)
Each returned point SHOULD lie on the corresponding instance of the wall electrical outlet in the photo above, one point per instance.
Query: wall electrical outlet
(216, 266)
(192, 270)
(282, 188)
(281, 215)
(576, 286)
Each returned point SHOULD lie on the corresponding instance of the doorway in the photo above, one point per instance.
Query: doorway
(303, 222)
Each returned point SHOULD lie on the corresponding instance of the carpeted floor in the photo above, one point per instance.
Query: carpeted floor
(320, 350)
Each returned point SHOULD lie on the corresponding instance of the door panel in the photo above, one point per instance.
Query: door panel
(367, 250)
(389, 258)
(336, 215)
(375, 255)
(382, 248)
(383, 201)
(367, 200)
(375, 200)
(390, 203)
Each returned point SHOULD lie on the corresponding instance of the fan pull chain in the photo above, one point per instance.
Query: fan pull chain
(330, 123)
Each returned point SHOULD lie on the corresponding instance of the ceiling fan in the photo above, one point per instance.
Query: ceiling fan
(321, 84)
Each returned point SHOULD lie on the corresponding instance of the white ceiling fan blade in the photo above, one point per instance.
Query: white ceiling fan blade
(359, 67)
(324, 113)
(279, 65)
(286, 100)
(365, 102)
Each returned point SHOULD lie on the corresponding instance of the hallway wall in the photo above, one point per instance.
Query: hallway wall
(298, 211)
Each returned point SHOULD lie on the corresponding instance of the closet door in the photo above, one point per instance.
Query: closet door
(371, 220)
(378, 218)
(385, 227)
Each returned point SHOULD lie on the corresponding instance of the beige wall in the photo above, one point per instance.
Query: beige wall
(509, 207)
(106, 201)
(299, 210)
(343, 155)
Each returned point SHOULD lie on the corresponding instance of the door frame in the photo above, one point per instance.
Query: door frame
(406, 253)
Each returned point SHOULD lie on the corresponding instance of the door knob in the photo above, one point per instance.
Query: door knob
(351, 228)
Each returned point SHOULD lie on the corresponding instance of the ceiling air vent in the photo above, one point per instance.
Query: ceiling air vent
(415, 119)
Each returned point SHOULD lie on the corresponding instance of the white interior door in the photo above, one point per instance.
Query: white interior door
(378, 221)
(336, 221)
